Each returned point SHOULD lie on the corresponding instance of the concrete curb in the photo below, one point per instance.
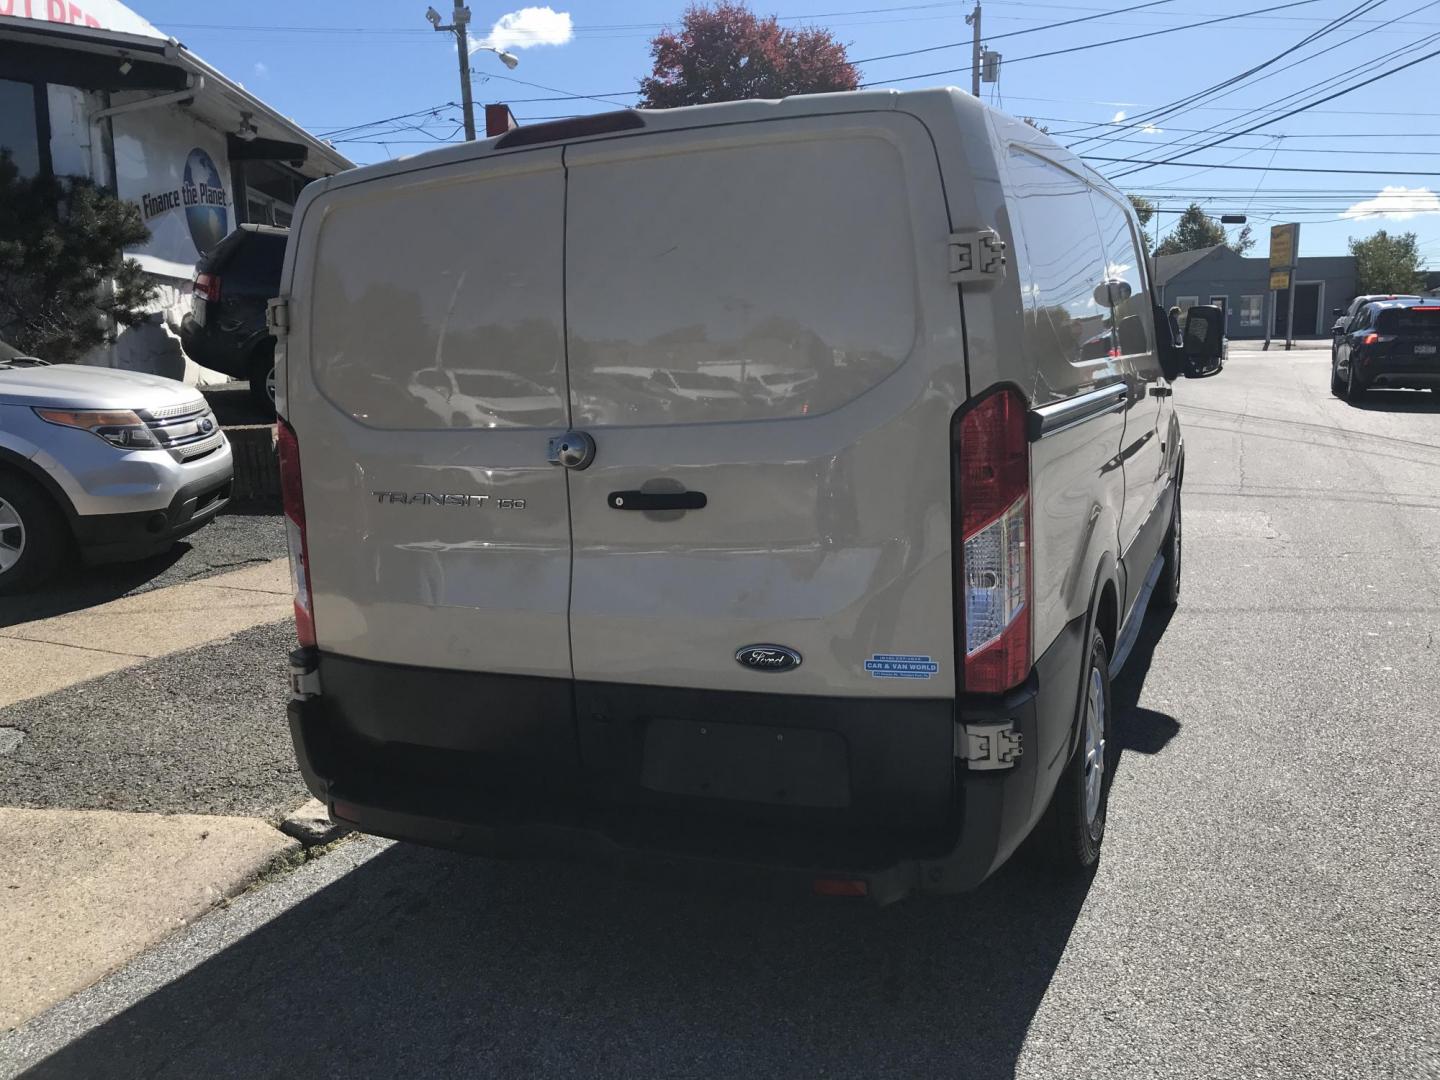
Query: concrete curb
(257, 469)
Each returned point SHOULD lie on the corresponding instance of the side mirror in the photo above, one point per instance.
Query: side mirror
(1112, 293)
(1167, 345)
(1204, 340)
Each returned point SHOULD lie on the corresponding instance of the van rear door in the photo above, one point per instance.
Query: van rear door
(760, 321)
(426, 374)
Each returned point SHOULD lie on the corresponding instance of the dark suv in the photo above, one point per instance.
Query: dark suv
(1388, 343)
(225, 330)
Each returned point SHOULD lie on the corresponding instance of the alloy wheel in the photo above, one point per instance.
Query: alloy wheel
(1095, 706)
(12, 536)
(270, 384)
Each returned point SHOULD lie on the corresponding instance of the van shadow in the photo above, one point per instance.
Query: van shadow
(427, 963)
(1137, 729)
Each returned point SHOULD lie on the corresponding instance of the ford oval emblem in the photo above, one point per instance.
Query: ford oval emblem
(768, 658)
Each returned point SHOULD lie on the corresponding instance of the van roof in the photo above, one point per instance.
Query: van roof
(972, 113)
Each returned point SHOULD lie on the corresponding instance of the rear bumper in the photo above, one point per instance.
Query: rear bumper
(1416, 373)
(228, 355)
(700, 783)
(104, 538)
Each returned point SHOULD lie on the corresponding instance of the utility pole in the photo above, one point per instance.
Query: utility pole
(459, 27)
(973, 19)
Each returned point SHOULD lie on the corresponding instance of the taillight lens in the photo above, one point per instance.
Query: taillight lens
(993, 490)
(207, 286)
(1369, 339)
(293, 501)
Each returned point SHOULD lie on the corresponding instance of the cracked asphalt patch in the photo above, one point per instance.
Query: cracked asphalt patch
(198, 732)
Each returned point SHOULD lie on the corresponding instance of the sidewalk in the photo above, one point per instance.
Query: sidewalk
(83, 889)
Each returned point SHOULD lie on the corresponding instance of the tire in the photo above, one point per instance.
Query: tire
(1353, 390)
(1167, 589)
(1336, 386)
(33, 537)
(1074, 825)
(262, 381)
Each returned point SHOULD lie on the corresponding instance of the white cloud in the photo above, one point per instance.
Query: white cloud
(260, 70)
(1118, 117)
(529, 26)
(1151, 129)
(1396, 203)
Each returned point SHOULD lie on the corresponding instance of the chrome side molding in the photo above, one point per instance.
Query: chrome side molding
(1068, 412)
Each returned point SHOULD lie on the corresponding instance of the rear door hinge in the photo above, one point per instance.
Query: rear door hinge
(277, 316)
(977, 257)
(988, 746)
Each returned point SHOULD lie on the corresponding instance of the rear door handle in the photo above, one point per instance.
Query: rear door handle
(657, 500)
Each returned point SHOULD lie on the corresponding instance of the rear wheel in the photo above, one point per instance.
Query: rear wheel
(1168, 592)
(262, 381)
(1353, 390)
(33, 540)
(1337, 385)
(1074, 825)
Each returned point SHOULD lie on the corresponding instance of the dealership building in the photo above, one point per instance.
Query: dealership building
(91, 89)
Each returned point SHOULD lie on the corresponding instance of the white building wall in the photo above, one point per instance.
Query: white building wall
(152, 148)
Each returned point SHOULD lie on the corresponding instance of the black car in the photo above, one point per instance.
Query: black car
(225, 330)
(1346, 315)
(1388, 343)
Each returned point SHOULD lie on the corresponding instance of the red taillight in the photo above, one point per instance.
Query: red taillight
(1425, 308)
(1370, 339)
(293, 501)
(207, 286)
(993, 489)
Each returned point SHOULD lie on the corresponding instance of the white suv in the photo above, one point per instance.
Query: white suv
(116, 464)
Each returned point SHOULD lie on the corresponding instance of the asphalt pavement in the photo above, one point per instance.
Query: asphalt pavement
(1266, 905)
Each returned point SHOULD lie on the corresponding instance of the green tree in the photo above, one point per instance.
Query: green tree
(1388, 264)
(1244, 242)
(61, 269)
(727, 53)
(1195, 230)
(1144, 210)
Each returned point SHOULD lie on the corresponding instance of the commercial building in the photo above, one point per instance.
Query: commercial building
(1241, 286)
(91, 89)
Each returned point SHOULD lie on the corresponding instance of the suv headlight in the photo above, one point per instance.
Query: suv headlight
(118, 427)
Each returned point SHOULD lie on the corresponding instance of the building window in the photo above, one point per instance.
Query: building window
(1185, 303)
(1252, 312)
(20, 134)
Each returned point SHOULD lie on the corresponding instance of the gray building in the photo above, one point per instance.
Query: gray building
(1216, 275)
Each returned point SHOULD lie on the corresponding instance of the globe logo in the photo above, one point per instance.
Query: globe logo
(205, 201)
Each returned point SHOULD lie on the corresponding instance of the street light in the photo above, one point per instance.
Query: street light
(460, 20)
(508, 59)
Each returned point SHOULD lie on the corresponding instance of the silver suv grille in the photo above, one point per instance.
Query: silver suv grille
(189, 431)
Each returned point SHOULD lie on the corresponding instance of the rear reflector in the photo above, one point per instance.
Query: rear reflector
(207, 286)
(293, 502)
(827, 886)
(993, 493)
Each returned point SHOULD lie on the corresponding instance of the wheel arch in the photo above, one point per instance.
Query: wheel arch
(18, 464)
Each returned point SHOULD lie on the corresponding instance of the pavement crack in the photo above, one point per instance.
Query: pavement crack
(69, 645)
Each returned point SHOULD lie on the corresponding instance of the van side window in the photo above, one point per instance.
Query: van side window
(1130, 304)
(1068, 334)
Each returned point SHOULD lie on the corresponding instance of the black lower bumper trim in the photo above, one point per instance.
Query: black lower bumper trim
(104, 538)
(509, 766)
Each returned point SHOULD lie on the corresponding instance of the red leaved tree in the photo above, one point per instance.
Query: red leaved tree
(727, 53)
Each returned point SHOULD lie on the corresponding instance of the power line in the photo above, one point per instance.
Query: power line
(1102, 44)
(1277, 168)
(1013, 33)
(1276, 119)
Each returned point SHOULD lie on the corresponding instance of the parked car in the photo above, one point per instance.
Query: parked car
(115, 464)
(1391, 343)
(225, 328)
(861, 637)
(1344, 316)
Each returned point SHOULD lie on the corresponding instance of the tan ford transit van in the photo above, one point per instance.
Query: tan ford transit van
(774, 484)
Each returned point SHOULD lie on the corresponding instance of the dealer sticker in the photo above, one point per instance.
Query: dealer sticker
(887, 666)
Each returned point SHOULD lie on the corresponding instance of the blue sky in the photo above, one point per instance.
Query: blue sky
(332, 66)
